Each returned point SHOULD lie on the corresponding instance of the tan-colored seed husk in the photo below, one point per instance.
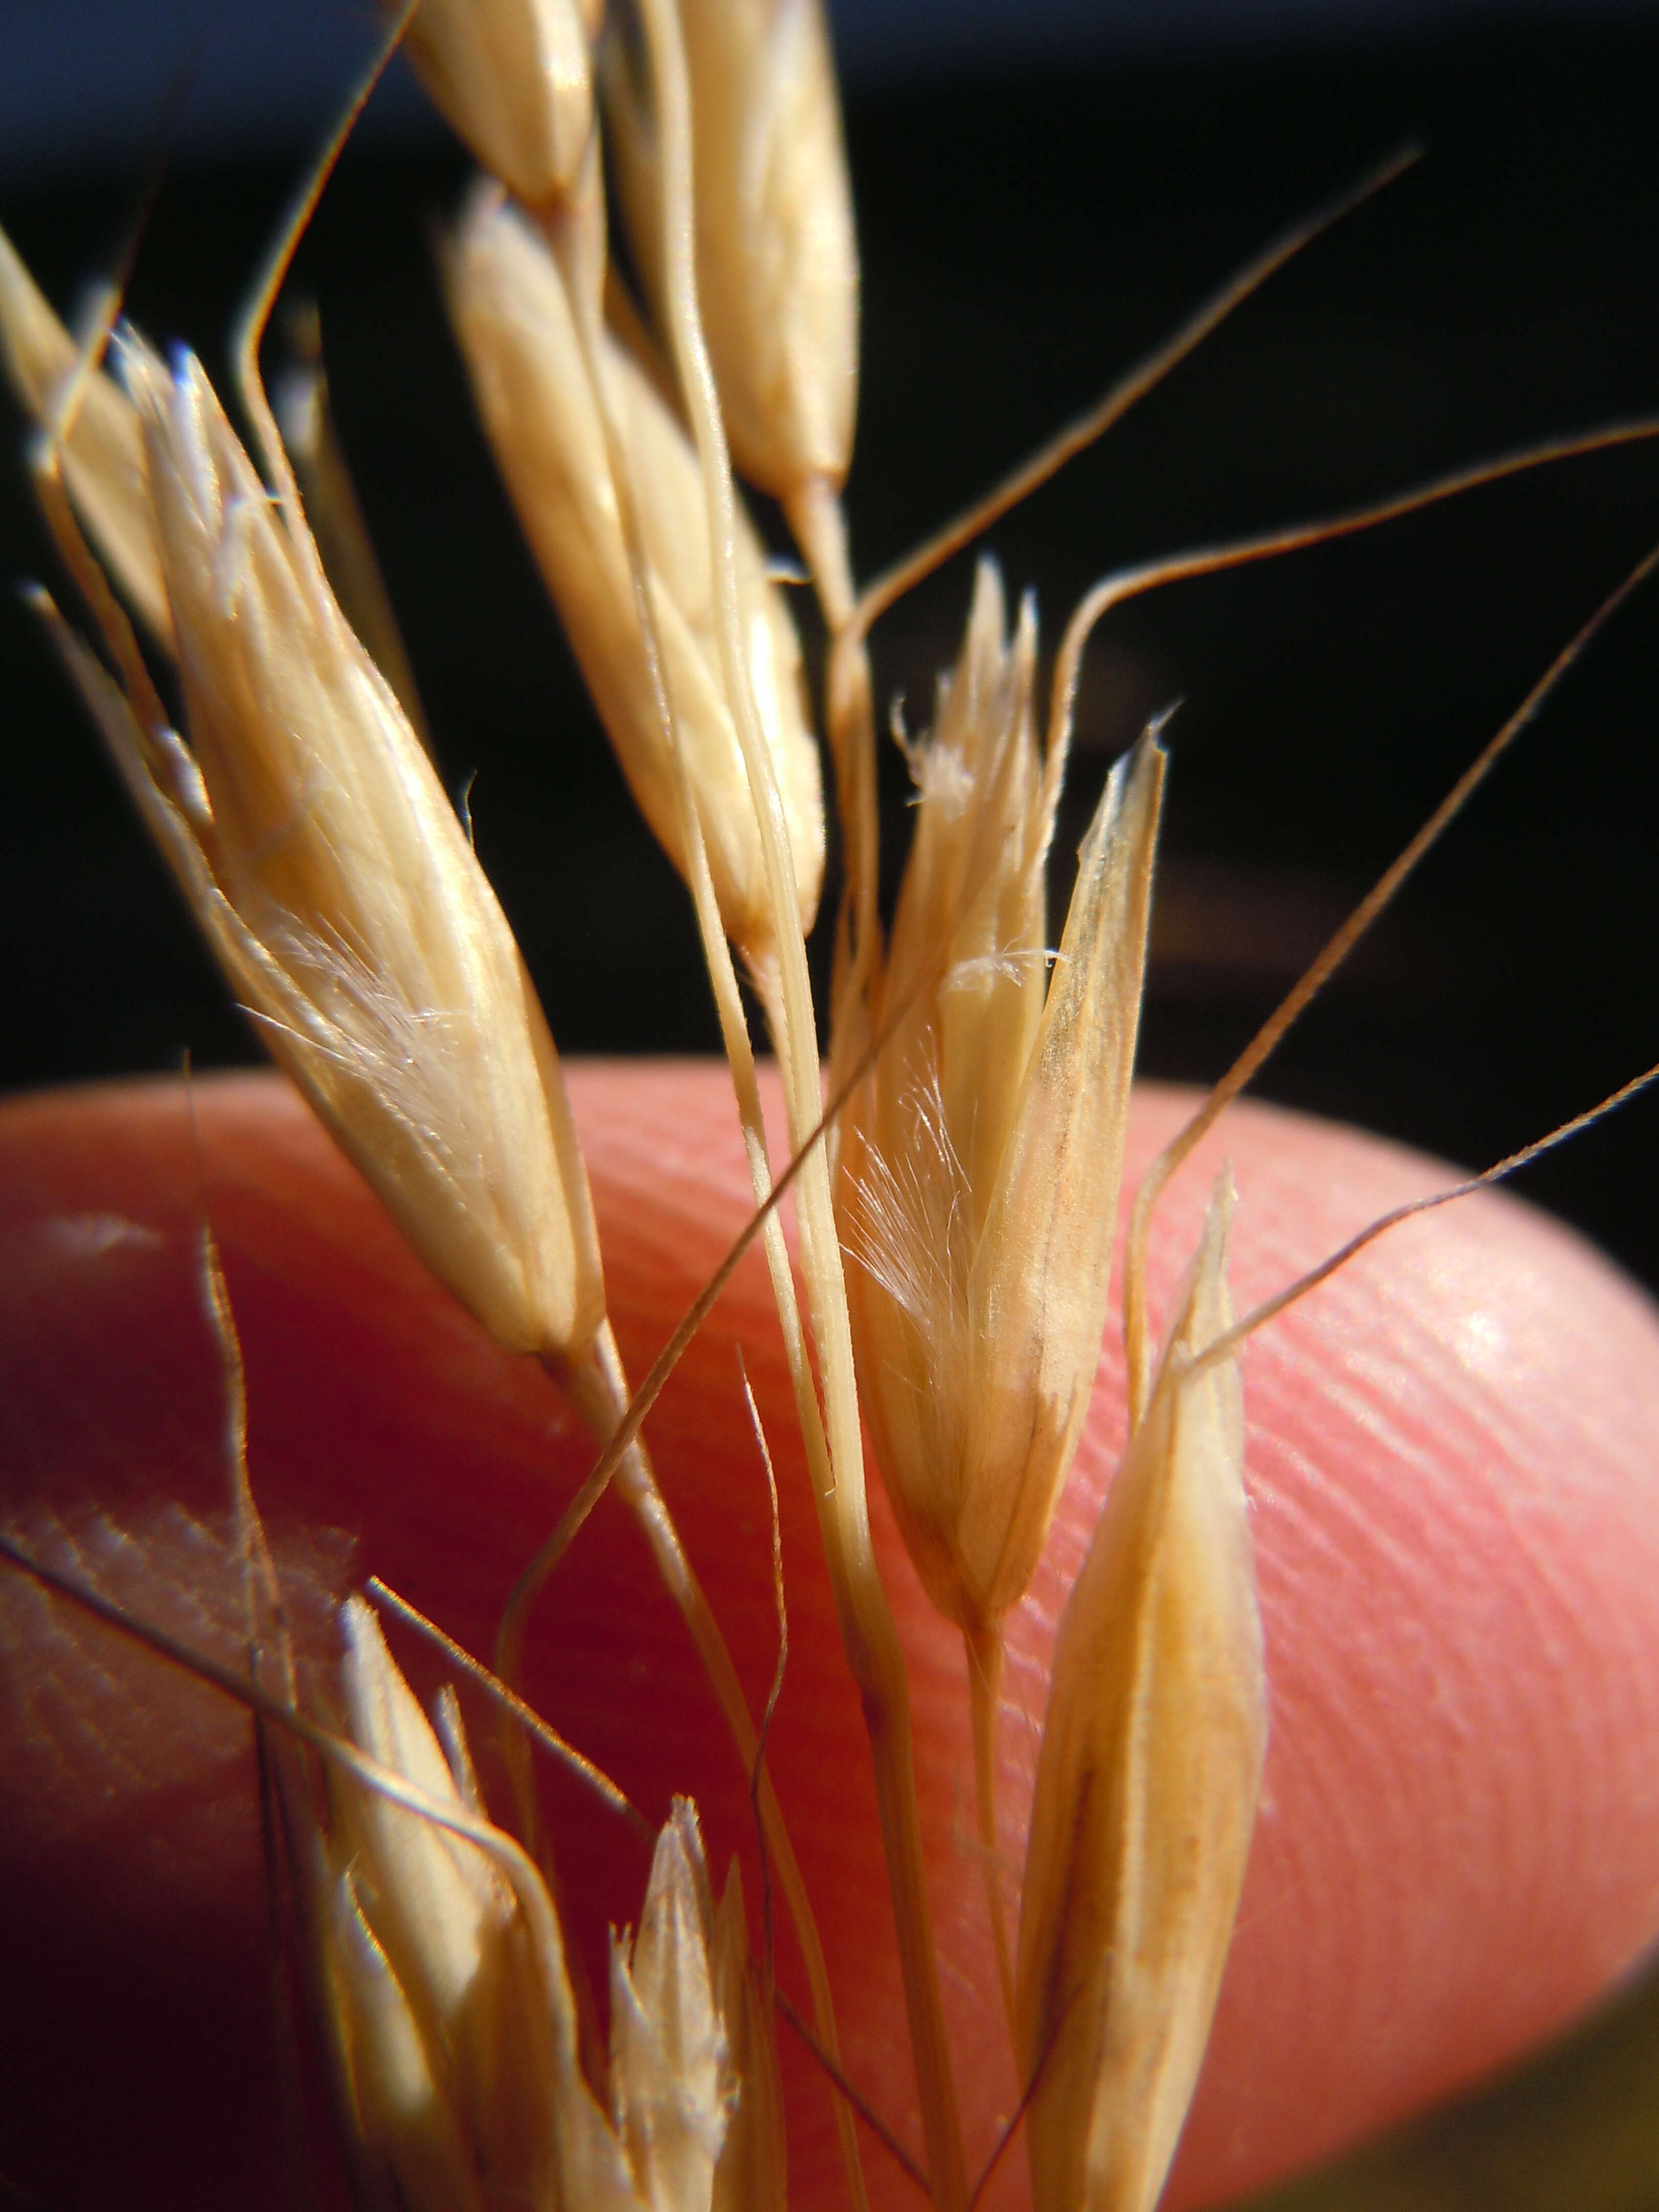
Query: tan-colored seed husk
(1146, 1787)
(104, 454)
(422, 1960)
(324, 861)
(453, 2022)
(980, 1170)
(776, 252)
(513, 313)
(671, 2082)
(514, 79)
(304, 414)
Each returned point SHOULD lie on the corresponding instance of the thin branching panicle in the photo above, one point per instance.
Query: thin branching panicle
(954, 1145)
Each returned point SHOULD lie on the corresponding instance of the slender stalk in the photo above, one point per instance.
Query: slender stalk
(1226, 1345)
(1127, 392)
(572, 244)
(598, 1389)
(820, 529)
(873, 1654)
(985, 1652)
(250, 329)
(1136, 1326)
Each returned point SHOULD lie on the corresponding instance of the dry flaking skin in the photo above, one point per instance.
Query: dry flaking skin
(1146, 1785)
(980, 1167)
(512, 310)
(324, 862)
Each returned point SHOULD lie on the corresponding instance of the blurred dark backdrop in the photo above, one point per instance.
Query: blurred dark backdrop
(1027, 231)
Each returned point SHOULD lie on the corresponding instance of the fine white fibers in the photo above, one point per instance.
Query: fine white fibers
(329, 872)
(980, 1176)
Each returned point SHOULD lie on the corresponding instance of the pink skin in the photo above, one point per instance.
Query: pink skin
(1452, 1464)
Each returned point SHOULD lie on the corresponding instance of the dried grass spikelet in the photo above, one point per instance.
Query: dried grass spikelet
(453, 2021)
(514, 79)
(104, 455)
(981, 1169)
(512, 311)
(1147, 1786)
(670, 2081)
(776, 251)
(424, 1967)
(326, 866)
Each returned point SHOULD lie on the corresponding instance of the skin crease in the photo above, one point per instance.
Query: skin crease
(1451, 1468)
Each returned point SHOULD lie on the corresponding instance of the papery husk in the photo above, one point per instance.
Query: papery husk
(439, 1904)
(305, 414)
(326, 866)
(514, 81)
(512, 315)
(1146, 1787)
(458, 2036)
(981, 1173)
(962, 1039)
(776, 250)
(1042, 1271)
(103, 456)
(404, 2121)
(671, 2082)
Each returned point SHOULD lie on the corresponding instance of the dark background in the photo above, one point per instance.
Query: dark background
(1028, 228)
(1033, 217)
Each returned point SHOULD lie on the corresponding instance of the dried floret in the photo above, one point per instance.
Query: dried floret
(326, 866)
(515, 79)
(670, 2081)
(452, 2017)
(1146, 1785)
(103, 457)
(513, 315)
(980, 1172)
(776, 255)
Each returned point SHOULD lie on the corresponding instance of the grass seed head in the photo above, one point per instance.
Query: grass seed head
(514, 79)
(104, 454)
(777, 256)
(327, 868)
(452, 2014)
(1146, 1787)
(439, 2023)
(981, 1173)
(517, 329)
